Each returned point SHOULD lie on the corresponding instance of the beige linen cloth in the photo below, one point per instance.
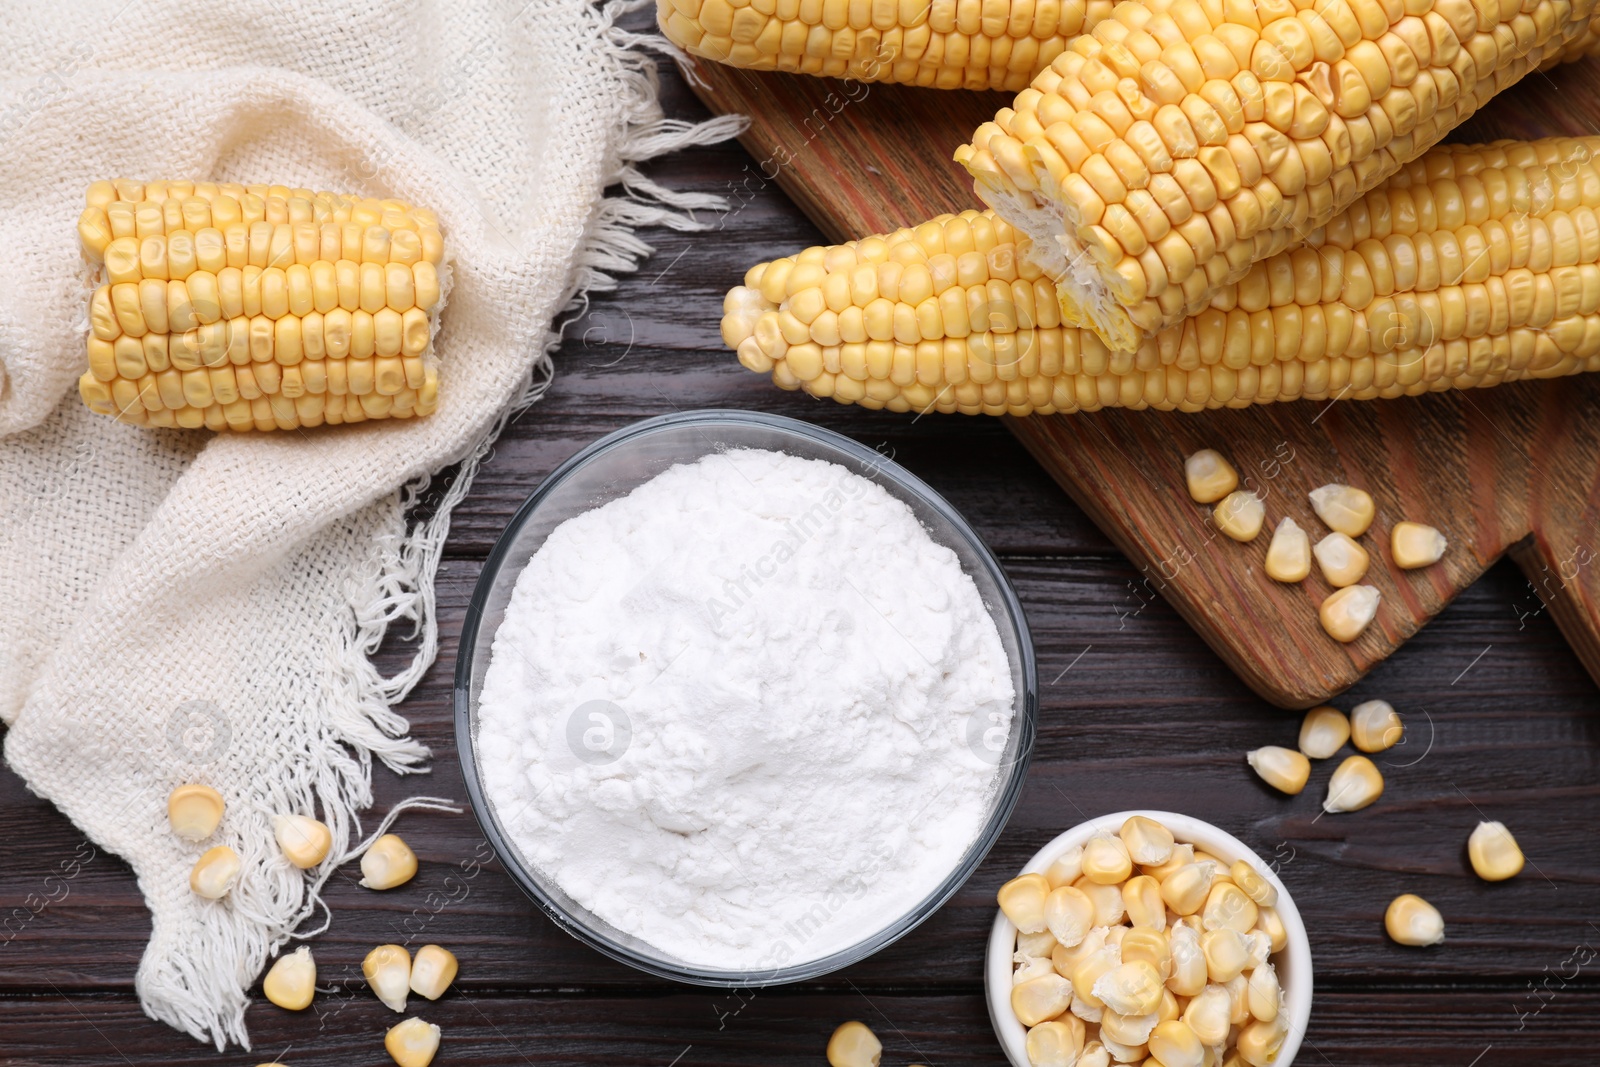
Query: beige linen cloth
(177, 606)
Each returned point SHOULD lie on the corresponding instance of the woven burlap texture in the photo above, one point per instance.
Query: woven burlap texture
(178, 606)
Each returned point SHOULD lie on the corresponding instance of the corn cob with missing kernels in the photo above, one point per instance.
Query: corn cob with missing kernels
(258, 307)
(1184, 140)
(944, 44)
(1472, 266)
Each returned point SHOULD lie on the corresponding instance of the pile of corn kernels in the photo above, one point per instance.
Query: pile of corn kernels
(1136, 948)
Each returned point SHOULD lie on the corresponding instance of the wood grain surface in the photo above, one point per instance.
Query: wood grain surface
(1135, 710)
(1514, 469)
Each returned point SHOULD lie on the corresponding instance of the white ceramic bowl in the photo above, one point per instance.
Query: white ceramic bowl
(1293, 963)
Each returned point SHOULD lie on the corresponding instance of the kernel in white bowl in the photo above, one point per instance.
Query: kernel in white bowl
(1292, 962)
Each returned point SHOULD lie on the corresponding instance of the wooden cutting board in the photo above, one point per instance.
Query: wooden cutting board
(1513, 469)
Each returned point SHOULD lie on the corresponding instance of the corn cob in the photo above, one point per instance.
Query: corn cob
(258, 307)
(1471, 266)
(945, 44)
(1182, 141)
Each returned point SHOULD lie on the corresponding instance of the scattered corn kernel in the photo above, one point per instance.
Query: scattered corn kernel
(215, 872)
(1415, 545)
(1343, 508)
(387, 970)
(1056, 1043)
(194, 811)
(1023, 901)
(388, 863)
(1034, 1002)
(1494, 852)
(1410, 920)
(1342, 561)
(432, 971)
(1283, 769)
(853, 1044)
(1255, 886)
(305, 841)
(292, 980)
(412, 1042)
(1323, 732)
(1348, 611)
(1106, 860)
(1355, 784)
(1240, 515)
(1148, 842)
(1289, 554)
(1210, 477)
(1375, 726)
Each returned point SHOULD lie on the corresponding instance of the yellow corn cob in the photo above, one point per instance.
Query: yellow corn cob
(1471, 266)
(946, 44)
(258, 307)
(1183, 140)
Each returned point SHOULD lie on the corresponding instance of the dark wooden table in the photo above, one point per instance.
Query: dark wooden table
(1502, 722)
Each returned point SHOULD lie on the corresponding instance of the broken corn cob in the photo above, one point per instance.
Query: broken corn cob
(945, 44)
(1472, 266)
(1181, 141)
(258, 307)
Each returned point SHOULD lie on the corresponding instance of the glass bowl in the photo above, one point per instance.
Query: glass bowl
(614, 466)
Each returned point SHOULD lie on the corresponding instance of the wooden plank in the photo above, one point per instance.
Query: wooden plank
(863, 159)
(1376, 1027)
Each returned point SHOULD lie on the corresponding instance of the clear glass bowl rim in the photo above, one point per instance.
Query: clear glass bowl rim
(1008, 792)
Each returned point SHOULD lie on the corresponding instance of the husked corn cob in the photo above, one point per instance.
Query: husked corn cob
(1472, 266)
(945, 44)
(258, 307)
(1183, 140)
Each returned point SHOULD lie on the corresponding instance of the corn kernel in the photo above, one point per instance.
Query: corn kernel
(1056, 1043)
(1141, 899)
(854, 1045)
(1227, 953)
(1323, 732)
(1124, 1035)
(1148, 843)
(1088, 971)
(1259, 1043)
(1289, 554)
(388, 863)
(1065, 868)
(1264, 993)
(412, 1043)
(1256, 887)
(292, 980)
(1342, 561)
(1033, 1002)
(1227, 907)
(1415, 545)
(1106, 860)
(1064, 957)
(194, 811)
(1210, 477)
(215, 872)
(1186, 888)
(1023, 901)
(1130, 989)
(1283, 769)
(1271, 924)
(1188, 976)
(1494, 852)
(1375, 726)
(1343, 508)
(1355, 784)
(1148, 943)
(1094, 1055)
(1208, 1014)
(432, 971)
(1182, 853)
(387, 970)
(1410, 920)
(1040, 944)
(1347, 612)
(1108, 907)
(1240, 515)
(1174, 1044)
(1069, 915)
(305, 841)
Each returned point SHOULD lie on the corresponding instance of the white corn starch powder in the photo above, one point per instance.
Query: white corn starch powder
(732, 712)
